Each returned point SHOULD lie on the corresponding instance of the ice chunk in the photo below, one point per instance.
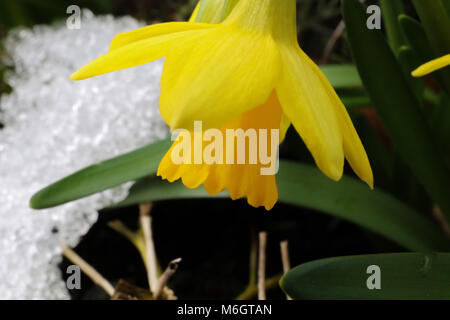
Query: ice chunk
(53, 127)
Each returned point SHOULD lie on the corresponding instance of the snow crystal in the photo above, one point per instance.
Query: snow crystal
(53, 127)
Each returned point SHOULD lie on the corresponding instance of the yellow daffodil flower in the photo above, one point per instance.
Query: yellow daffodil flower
(245, 72)
(432, 66)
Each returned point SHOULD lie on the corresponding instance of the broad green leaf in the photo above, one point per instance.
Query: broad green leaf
(298, 184)
(354, 99)
(152, 189)
(303, 185)
(402, 276)
(102, 176)
(396, 104)
(391, 10)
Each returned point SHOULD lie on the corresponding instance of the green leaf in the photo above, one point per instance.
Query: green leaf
(102, 176)
(346, 80)
(436, 23)
(391, 10)
(416, 37)
(354, 99)
(155, 189)
(342, 76)
(403, 276)
(304, 185)
(298, 184)
(409, 61)
(447, 6)
(396, 104)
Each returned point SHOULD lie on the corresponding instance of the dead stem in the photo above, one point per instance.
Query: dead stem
(284, 247)
(146, 223)
(164, 279)
(262, 266)
(93, 274)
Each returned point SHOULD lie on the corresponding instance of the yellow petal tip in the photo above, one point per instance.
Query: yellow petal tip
(417, 73)
(75, 76)
(369, 181)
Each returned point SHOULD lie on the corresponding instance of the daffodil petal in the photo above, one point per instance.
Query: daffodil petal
(353, 148)
(134, 54)
(311, 108)
(217, 77)
(432, 66)
(241, 180)
(285, 123)
(125, 38)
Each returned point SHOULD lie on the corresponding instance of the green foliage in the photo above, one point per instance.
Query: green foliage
(102, 176)
(391, 10)
(403, 276)
(397, 105)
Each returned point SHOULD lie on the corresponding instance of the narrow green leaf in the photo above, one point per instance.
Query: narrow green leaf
(396, 104)
(304, 185)
(391, 10)
(342, 76)
(417, 39)
(102, 176)
(402, 276)
(436, 23)
(409, 61)
(447, 6)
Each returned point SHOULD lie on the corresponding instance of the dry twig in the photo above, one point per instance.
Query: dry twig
(146, 222)
(284, 247)
(164, 279)
(93, 274)
(262, 266)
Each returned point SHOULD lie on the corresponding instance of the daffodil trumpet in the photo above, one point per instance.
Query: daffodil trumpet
(245, 72)
(432, 66)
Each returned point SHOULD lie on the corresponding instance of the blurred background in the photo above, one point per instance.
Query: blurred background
(214, 236)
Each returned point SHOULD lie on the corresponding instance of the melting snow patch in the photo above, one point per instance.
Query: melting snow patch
(53, 127)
